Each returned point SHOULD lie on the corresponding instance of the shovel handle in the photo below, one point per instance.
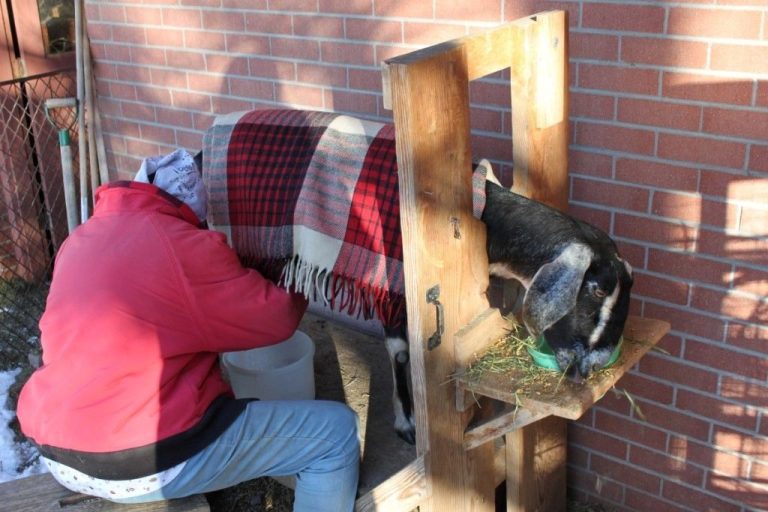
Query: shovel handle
(70, 196)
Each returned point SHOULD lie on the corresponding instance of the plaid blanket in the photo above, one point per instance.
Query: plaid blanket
(310, 200)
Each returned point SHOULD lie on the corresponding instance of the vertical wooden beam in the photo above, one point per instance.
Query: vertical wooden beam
(540, 107)
(536, 454)
(536, 477)
(443, 246)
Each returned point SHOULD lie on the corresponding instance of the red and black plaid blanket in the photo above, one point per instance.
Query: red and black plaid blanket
(310, 199)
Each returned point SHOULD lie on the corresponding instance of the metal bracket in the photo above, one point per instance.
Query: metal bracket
(432, 295)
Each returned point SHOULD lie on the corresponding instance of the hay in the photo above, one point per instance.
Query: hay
(509, 355)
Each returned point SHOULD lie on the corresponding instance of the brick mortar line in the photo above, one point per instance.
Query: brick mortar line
(661, 275)
(677, 386)
(652, 245)
(225, 53)
(746, 458)
(469, 28)
(663, 478)
(717, 73)
(713, 316)
(673, 100)
(760, 299)
(469, 25)
(648, 214)
(671, 3)
(758, 205)
(740, 76)
(727, 41)
(708, 257)
(679, 163)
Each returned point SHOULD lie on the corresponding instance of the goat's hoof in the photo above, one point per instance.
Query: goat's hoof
(407, 434)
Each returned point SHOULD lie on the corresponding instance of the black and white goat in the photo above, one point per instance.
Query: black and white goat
(577, 288)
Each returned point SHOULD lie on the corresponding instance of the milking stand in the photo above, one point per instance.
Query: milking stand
(464, 451)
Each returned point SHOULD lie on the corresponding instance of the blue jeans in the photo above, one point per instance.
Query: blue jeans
(312, 439)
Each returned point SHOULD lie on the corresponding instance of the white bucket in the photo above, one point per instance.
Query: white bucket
(283, 371)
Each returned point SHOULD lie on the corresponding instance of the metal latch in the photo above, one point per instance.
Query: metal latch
(432, 295)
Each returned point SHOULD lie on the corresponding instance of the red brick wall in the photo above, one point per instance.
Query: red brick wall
(669, 153)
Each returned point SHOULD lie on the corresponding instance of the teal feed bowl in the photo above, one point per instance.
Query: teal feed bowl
(544, 357)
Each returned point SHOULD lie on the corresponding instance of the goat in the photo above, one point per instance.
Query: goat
(577, 286)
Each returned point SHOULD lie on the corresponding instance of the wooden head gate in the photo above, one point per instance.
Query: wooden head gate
(445, 261)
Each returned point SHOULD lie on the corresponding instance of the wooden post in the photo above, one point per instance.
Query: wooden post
(536, 478)
(540, 107)
(535, 475)
(444, 246)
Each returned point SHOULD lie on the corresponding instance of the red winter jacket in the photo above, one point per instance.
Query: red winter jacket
(141, 303)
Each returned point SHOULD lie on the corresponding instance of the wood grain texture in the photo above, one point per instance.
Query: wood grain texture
(536, 470)
(402, 491)
(443, 245)
(539, 90)
(41, 493)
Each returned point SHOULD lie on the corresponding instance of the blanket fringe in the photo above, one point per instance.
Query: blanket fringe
(339, 293)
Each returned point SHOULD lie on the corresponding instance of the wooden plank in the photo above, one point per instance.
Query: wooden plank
(41, 493)
(475, 337)
(550, 75)
(386, 87)
(560, 397)
(536, 467)
(536, 453)
(403, 491)
(443, 245)
(539, 107)
(486, 52)
(512, 418)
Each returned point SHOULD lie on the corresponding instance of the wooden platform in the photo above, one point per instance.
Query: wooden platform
(561, 397)
(41, 493)
(554, 395)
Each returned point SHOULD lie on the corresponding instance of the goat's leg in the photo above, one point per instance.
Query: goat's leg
(399, 356)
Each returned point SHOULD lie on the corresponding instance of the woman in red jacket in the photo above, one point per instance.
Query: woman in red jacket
(129, 403)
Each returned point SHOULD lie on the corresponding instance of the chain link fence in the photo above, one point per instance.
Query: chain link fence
(32, 208)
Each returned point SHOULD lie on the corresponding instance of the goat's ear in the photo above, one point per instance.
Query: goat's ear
(555, 288)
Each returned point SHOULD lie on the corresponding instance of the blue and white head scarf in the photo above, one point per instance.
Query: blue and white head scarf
(177, 174)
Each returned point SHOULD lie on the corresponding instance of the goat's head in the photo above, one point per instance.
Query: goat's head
(579, 302)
